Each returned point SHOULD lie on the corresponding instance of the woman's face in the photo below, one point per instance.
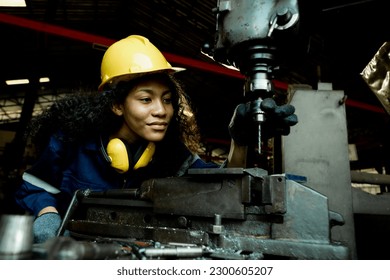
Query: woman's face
(147, 111)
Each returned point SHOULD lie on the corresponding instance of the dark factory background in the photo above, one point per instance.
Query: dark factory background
(64, 41)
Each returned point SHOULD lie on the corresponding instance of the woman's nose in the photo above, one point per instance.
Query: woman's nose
(159, 108)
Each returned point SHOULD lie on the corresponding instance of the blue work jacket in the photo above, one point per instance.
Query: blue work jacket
(65, 167)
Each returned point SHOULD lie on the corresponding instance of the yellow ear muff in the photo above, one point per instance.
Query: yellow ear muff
(117, 153)
(146, 156)
(121, 158)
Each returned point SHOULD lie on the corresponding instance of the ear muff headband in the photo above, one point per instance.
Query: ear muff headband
(146, 156)
(120, 157)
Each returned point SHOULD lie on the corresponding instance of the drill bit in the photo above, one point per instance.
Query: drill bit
(259, 139)
(259, 118)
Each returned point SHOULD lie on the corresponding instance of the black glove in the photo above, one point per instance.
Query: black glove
(278, 120)
(46, 226)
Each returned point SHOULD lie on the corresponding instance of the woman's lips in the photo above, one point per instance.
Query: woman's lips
(158, 125)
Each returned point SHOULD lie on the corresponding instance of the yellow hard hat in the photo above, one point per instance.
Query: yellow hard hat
(129, 58)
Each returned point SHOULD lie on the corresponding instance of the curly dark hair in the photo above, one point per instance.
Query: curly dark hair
(82, 114)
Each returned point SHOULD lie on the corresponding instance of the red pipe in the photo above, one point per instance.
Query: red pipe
(173, 58)
(54, 29)
(204, 66)
(365, 106)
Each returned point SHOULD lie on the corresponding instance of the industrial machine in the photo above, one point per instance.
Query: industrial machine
(231, 213)
(227, 213)
(249, 35)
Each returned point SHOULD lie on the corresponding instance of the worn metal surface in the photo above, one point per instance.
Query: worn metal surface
(318, 148)
(178, 196)
(366, 203)
(280, 218)
(16, 238)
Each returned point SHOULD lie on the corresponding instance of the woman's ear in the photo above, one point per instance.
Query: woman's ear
(117, 109)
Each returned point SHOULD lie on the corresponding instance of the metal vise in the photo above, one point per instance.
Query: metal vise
(230, 213)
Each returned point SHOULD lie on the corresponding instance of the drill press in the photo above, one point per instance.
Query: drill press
(248, 36)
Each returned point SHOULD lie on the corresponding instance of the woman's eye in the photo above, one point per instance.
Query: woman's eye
(167, 100)
(145, 100)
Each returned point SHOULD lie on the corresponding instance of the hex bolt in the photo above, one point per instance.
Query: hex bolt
(217, 227)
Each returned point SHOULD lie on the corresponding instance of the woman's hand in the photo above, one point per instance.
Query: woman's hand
(46, 224)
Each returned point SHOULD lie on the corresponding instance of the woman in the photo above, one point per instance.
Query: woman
(138, 125)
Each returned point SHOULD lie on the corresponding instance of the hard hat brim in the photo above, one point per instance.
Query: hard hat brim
(111, 83)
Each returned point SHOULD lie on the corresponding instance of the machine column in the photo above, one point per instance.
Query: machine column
(317, 148)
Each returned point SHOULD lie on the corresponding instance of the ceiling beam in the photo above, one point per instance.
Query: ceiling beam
(105, 42)
(173, 58)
